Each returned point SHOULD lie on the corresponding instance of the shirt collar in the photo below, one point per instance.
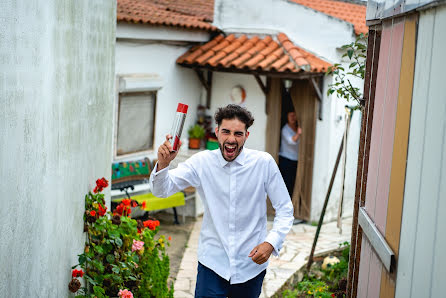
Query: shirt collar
(240, 159)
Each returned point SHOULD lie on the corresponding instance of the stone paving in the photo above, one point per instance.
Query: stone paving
(296, 249)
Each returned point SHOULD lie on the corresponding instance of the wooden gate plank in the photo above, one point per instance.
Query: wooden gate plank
(391, 99)
(397, 179)
(415, 159)
(378, 114)
(367, 255)
(434, 169)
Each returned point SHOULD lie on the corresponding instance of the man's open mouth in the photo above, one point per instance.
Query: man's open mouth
(230, 150)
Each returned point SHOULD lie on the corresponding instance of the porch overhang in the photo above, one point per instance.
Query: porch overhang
(277, 57)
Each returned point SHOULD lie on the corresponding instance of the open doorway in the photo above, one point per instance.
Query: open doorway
(304, 101)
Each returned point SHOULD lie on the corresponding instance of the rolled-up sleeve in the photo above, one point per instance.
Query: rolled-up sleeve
(281, 202)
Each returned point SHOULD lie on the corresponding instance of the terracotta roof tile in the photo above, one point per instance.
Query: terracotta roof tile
(190, 14)
(253, 53)
(349, 12)
(199, 8)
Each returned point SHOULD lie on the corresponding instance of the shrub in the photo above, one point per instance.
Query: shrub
(122, 256)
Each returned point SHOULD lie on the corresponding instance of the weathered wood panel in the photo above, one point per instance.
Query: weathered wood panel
(305, 104)
(397, 179)
(364, 268)
(273, 110)
(422, 243)
(378, 114)
(390, 104)
(368, 267)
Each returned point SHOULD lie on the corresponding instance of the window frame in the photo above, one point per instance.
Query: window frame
(134, 84)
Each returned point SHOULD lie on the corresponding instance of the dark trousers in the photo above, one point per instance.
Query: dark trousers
(288, 169)
(210, 284)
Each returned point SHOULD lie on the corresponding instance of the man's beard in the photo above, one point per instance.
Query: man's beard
(238, 150)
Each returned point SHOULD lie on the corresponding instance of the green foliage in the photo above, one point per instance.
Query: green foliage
(309, 288)
(338, 271)
(196, 132)
(112, 261)
(327, 284)
(356, 53)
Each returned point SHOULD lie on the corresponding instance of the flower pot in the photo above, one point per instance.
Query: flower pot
(211, 145)
(194, 143)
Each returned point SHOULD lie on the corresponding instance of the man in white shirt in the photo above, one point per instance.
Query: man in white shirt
(233, 182)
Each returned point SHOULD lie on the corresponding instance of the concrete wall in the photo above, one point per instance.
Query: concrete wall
(56, 91)
(146, 55)
(322, 35)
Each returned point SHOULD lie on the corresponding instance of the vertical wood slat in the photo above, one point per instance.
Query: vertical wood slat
(436, 85)
(430, 178)
(305, 104)
(382, 139)
(414, 158)
(397, 179)
(378, 115)
(364, 282)
(374, 43)
(274, 108)
(389, 120)
(274, 113)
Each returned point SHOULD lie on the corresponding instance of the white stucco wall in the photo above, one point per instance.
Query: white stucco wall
(254, 102)
(56, 85)
(329, 134)
(318, 33)
(178, 84)
(312, 30)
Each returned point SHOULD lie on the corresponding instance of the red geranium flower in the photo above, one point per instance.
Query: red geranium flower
(119, 209)
(101, 210)
(77, 273)
(134, 203)
(151, 224)
(143, 205)
(93, 213)
(100, 185)
(126, 202)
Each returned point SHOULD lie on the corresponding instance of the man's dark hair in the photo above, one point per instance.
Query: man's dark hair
(232, 111)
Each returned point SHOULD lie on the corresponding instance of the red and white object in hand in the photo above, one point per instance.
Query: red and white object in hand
(177, 126)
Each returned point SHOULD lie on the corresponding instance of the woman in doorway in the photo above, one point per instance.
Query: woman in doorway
(289, 151)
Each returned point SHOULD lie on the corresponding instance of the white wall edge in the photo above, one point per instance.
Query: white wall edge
(148, 32)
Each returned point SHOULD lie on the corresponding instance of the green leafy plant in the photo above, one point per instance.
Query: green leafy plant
(342, 86)
(339, 271)
(309, 288)
(330, 282)
(196, 132)
(122, 256)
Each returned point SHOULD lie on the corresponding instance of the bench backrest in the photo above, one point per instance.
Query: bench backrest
(131, 172)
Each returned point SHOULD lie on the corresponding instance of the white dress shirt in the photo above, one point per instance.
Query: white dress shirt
(289, 148)
(234, 198)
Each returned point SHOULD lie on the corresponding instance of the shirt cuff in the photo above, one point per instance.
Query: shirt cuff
(161, 173)
(274, 240)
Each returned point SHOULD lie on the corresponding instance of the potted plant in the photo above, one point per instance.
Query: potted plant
(196, 134)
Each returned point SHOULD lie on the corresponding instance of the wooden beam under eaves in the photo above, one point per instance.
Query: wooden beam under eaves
(317, 89)
(207, 84)
(262, 86)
